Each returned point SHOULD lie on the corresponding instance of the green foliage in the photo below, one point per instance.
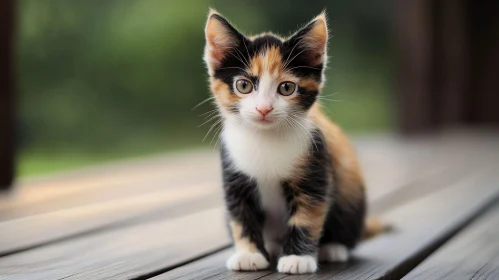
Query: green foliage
(110, 79)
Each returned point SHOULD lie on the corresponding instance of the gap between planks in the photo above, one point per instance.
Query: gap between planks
(421, 227)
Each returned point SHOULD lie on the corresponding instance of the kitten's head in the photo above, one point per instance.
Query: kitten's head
(265, 81)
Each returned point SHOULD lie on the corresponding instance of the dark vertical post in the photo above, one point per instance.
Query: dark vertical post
(451, 61)
(7, 15)
(414, 34)
(448, 63)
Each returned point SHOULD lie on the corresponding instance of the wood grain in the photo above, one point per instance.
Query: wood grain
(80, 188)
(107, 184)
(124, 253)
(46, 228)
(420, 227)
(51, 258)
(472, 254)
(32, 231)
(96, 209)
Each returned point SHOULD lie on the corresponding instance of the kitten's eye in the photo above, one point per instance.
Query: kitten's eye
(287, 88)
(244, 86)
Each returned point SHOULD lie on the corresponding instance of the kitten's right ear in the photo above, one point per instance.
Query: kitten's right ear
(221, 37)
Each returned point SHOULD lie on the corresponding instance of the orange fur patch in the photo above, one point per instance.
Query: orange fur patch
(222, 93)
(309, 216)
(268, 61)
(349, 180)
(241, 243)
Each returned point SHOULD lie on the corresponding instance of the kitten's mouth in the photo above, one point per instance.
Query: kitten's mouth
(263, 122)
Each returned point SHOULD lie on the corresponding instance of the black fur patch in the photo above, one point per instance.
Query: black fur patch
(315, 181)
(315, 184)
(344, 224)
(298, 242)
(243, 202)
(307, 98)
(292, 53)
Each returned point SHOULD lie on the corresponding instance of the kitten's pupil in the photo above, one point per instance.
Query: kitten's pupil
(287, 88)
(244, 86)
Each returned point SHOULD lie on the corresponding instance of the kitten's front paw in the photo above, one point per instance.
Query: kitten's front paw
(333, 252)
(294, 264)
(247, 261)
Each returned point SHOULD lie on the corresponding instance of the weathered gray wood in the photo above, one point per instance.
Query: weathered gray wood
(108, 183)
(154, 201)
(472, 254)
(114, 181)
(124, 253)
(104, 258)
(58, 260)
(420, 227)
(32, 231)
(83, 214)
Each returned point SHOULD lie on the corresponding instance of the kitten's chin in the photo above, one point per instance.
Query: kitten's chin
(258, 123)
(265, 124)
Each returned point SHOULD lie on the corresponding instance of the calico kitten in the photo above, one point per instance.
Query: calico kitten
(293, 187)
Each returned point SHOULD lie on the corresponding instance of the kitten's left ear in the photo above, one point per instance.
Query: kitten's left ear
(311, 40)
(221, 38)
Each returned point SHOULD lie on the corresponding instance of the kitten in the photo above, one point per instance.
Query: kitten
(293, 187)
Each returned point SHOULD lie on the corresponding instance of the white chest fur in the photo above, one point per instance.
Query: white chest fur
(269, 158)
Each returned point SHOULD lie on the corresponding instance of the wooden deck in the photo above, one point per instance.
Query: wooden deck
(162, 218)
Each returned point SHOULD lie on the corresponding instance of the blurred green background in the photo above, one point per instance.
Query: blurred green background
(106, 80)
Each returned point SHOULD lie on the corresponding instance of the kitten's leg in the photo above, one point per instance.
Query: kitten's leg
(250, 253)
(343, 227)
(333, 252)
(300, 245)
(246, 222)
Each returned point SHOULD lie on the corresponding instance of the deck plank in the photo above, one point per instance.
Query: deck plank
(421, 226)
(109, 182)
(136, 203)
(56, 255)
(472, 254)
(80, 188)
(22, 234)
(55, 260)
(122, 254)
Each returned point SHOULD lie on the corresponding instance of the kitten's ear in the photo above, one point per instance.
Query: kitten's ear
(312, 40)
(221, 37)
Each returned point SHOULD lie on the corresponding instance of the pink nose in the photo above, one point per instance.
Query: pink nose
(264, 110)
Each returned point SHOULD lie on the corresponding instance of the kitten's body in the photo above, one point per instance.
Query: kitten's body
(292, 183)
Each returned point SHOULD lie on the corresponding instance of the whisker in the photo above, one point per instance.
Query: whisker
(211, 128)
(217, 135)
(327, 108)
(331, 100)
(245, 59)
(232, 67)
(297, 121)
(202, 102)
(314, 125)
(291, 52)
(293, 58)
(246, 48)
(327, 95)
(209, 120)
(309, 134)
(315, 68)
(238, 58)
(304, 135)
(208, 113)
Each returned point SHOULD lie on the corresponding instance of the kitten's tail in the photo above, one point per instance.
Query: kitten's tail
(373, 227)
